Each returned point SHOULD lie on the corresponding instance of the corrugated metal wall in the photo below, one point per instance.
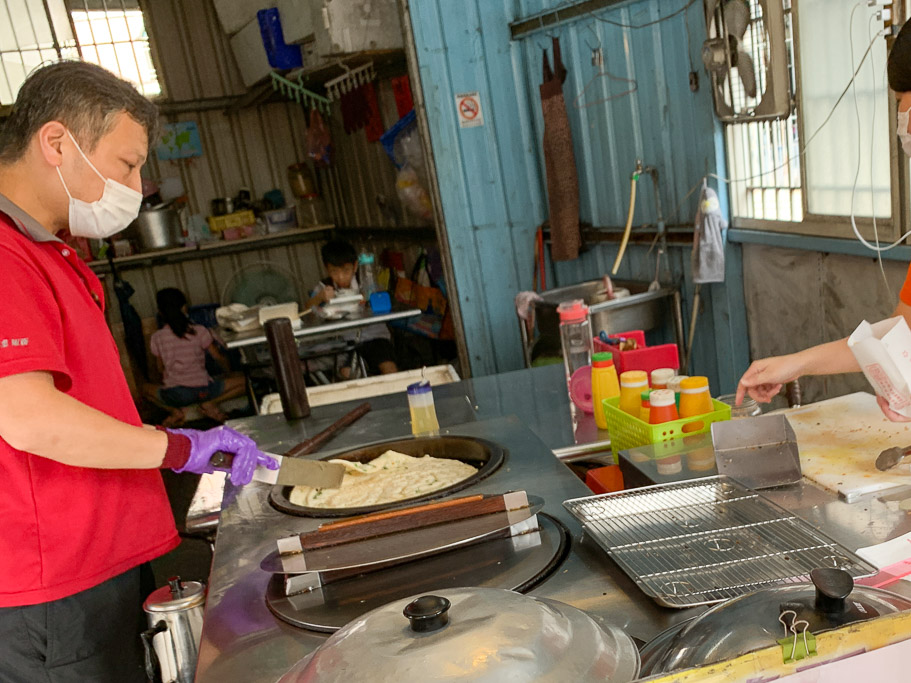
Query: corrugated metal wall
(491, 177)
(797, 299)
(251, 147)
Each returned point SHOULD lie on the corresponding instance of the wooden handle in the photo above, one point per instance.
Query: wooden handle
(382, 523)
(314, 442)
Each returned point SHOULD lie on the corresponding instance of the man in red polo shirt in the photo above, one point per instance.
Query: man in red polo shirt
(83, 506)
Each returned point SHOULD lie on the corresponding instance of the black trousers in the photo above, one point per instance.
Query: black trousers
(91, 636)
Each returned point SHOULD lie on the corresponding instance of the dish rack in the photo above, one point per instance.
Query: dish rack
(707, 540)
(627, 431)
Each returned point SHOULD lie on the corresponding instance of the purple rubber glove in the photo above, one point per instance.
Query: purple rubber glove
(203, 445)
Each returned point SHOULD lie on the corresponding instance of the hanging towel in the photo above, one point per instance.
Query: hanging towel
(559, 163)
(708, 242)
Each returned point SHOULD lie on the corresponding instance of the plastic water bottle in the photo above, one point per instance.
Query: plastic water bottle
(366, 275)
(575, 336)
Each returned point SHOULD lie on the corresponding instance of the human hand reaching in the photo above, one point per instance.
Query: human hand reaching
(764, 378)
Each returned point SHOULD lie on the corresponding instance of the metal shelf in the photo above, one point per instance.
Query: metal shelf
(210, 249)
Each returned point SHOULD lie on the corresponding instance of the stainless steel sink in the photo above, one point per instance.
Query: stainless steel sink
(642, 310)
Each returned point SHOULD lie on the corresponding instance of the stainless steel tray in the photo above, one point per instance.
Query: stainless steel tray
(707, 540)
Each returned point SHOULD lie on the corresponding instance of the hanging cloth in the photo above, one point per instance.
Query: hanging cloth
(708, 242)
(559, 163)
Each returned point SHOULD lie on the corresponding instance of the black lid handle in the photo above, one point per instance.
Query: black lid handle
(427, 613)
(833, 586)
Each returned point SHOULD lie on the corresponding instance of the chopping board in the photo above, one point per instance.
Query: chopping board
(839, 440)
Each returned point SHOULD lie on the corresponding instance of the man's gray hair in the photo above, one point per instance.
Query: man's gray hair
(84, 97)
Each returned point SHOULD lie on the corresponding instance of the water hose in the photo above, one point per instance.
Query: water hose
(629, 218)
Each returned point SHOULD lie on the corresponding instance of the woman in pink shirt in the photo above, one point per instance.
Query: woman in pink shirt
(180, 347)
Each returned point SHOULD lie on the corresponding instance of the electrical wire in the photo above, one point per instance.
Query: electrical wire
(879, 256)
(646, 24)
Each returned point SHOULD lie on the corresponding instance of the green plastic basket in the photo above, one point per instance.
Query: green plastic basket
(628, 432)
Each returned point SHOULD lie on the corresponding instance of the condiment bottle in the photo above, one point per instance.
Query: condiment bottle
(661, 377)
(632, 384)
(674, 385)
(605, 384)
(695, 400)
(575, 337)
(645, 407)
(663, 407)
(423, 412)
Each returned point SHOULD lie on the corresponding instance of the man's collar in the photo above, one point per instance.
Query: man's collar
(27, 225)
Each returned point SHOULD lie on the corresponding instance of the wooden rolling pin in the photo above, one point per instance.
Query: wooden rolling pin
(314, 442)
(392, 521)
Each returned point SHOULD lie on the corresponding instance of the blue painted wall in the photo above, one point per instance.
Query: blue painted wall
(491, 177)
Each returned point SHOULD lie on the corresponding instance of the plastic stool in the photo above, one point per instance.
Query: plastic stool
(604, 479)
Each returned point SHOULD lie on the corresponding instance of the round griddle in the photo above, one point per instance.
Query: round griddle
(518, 563)
(480, 453)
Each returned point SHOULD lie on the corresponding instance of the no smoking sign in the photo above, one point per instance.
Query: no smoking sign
(468, 108)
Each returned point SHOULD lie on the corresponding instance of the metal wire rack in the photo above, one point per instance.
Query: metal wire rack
(707, 540)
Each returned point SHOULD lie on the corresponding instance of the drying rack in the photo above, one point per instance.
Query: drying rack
(350, 80)
(300, 94)
(707, 540)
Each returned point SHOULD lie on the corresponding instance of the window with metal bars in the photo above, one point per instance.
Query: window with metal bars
(763, 156)
(110, 33)
(812, 171)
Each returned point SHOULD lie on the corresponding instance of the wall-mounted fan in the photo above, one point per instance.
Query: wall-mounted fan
(747, 59)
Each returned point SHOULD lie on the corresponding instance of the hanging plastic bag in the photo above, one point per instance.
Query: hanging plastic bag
(708, 243)
(319, 141)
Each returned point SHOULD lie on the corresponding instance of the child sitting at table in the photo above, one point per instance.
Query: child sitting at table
(375, 345)
(180, 347)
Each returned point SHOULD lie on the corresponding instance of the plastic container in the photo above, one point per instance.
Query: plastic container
(663, 407)
(632, 384)
(366, 274)
(279, 53)
(628, 432)
(279, 220)
(646, 358)
(605, 384)
(694, 398)
(575, 337)
(422, 409)
(237, 219)
(645, 407)
(312, 212)
(661, 376)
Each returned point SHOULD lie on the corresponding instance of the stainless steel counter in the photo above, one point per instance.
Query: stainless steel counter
(537, 396)
(242, 641)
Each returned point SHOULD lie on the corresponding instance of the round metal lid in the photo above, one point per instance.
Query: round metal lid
(758, 620)
(486, 635)
(176, 596)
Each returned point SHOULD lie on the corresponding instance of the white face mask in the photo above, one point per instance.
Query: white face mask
(117, 208)
(903, 134)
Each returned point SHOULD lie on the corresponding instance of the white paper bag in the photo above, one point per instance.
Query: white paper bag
(883, 351)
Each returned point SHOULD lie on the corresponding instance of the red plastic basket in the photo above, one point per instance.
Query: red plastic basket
(646, 358)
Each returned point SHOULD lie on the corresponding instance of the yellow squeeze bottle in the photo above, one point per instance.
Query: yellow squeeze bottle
(423, 411)
(632, 384)
(604, 385)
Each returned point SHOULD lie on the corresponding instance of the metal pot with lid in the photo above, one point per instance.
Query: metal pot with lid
(758, 620)
(478, 634)
(174, 613)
